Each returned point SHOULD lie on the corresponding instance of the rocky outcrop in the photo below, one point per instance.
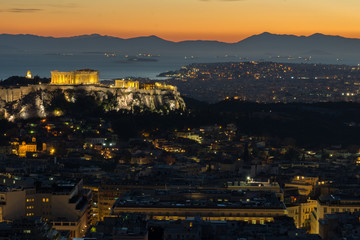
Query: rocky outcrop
(38, 100)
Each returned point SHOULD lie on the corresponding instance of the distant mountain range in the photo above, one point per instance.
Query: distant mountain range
(265, 45)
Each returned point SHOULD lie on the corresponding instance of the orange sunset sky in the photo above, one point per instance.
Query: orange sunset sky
(176, 20)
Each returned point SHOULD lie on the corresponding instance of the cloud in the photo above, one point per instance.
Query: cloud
(44, 6)
(21, 10)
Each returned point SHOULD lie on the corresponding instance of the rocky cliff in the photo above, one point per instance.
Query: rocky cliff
(49, 100)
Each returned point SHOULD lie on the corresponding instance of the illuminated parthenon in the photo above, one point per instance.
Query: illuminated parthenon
(126, 84)
(85, 76)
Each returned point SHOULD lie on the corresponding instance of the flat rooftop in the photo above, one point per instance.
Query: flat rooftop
(201, 199)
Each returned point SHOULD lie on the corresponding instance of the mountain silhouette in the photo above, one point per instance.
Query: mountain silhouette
(264, 45)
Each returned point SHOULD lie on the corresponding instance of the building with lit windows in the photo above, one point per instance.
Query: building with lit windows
(24, 148)
(213, 205)
(331, 204)
(301, 213)
(65, 204)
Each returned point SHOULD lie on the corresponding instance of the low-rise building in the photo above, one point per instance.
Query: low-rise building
(63, 203)
(330, 204)
(215, 205)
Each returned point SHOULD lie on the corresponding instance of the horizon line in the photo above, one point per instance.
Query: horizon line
(153, 35)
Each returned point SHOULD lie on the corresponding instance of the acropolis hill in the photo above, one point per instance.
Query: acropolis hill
(35, 100)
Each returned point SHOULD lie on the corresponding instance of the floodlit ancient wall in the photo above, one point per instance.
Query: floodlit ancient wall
(33, 100)
(9, 94)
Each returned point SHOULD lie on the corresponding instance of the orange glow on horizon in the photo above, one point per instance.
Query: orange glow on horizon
(178, 20)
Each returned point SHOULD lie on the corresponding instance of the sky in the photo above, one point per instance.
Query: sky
(177, 20)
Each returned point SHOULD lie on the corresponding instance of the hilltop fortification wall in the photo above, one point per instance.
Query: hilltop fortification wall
(34, 100)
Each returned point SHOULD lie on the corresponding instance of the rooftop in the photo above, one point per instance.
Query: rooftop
(201, 199)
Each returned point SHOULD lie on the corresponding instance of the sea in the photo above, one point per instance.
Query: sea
(113, 67)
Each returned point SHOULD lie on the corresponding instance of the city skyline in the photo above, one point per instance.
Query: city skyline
(221, 20)
(179, 119)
